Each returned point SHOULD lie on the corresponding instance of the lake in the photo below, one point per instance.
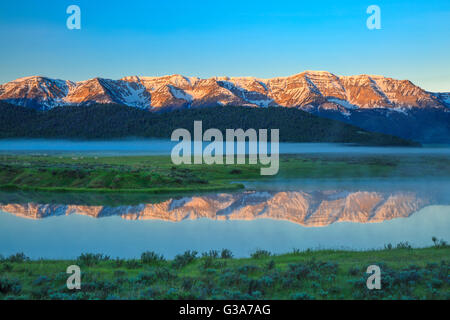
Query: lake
(278, 215)
(164, 147)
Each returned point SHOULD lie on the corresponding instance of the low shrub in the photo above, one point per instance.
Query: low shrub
(211, 263)
(8, 285)
(150, 257)
(147, 278)
(187, 283)
(439, 243)
(226, 254)
(133, 264)
(184, 259)
(211, 254)
(41, 280)
(270, 265)
(298, 271)
(165, 274)
(6, 267)
(18, 257)
(247, 268)
(91, 259)
(118, 262)
(404, 245)
(258, 254)
(354, 271)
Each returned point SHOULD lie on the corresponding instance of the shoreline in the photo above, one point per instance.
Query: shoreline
(411, 273)
(229, 187)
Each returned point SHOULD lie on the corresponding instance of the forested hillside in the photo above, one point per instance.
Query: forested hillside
(118, 121)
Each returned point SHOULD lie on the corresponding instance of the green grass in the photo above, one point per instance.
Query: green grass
(113, 174)
(406, 273)
(157, 174)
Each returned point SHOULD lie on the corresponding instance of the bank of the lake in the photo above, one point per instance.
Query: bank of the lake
(157, 174)
(406, 273)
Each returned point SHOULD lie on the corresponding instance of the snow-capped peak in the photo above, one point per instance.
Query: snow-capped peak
(302, 90)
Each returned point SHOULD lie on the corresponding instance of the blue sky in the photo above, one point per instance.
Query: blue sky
(233, 38)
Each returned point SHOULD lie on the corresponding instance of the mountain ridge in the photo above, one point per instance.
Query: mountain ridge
(306, 90)
(371, 102)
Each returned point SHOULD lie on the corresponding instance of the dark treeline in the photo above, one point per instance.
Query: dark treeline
(117, 121)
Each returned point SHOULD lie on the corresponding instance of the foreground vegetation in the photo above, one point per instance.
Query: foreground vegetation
(406, 273)
(157, 174)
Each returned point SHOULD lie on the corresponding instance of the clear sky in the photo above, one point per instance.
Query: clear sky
(226, 38)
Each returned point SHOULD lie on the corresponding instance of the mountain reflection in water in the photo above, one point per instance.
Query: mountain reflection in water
(312, 208)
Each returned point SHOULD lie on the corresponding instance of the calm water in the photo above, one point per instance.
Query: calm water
(276, 216)
(68, 236)
(277, 219)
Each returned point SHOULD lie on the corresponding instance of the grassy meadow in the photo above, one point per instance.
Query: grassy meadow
(406, 273)
(157, 174)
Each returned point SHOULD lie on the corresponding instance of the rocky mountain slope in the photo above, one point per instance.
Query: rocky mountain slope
(374, 103)
(311, 209)
(307, 90)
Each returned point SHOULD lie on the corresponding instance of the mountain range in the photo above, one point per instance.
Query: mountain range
(312, 209)
(374, 103)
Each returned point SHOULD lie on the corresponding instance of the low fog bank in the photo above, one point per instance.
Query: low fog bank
(164, 147)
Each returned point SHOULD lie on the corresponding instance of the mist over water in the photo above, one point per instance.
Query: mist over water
(164, 147)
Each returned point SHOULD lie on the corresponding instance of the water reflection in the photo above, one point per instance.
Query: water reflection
(61, 226)
(306, 208)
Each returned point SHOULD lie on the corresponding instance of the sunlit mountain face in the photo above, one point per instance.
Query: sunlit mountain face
(308, 89)
(316, 208)
(371, 102)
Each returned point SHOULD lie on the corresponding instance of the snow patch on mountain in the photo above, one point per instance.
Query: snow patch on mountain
(180, 94)
(136, 96)
(344, 103)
